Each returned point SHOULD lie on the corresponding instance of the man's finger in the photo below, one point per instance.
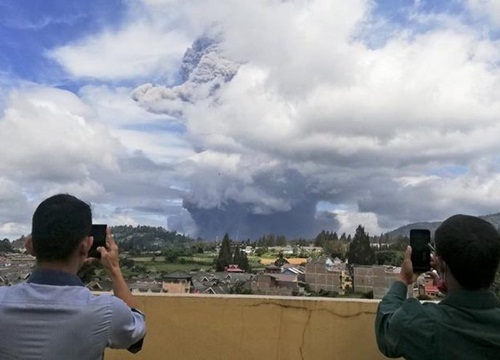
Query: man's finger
(101, 250)
(91, 260)
(109, 238)
(408, 252)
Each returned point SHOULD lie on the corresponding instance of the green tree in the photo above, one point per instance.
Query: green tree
(244, 263)
(266, 241)
(240, 258)
(225, 256)
(171, 254)
(237, 255)
(320, 239)
(261, 251)
(335, 248)
(389, 257)
(281, 240)
(400, 243)
(360, 251)
(6, 246)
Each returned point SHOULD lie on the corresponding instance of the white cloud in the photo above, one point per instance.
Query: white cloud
(312, 96)
(349, 221)
(52, 126)
(158, 136)
(369, 127)
(139, 50)
(487, 8)
(53, 142)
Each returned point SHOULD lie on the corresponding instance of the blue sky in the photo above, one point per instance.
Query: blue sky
(372, 112)
(30, 28)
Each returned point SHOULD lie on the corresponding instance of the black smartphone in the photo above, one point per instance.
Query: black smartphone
(99, 234)
(420, 249)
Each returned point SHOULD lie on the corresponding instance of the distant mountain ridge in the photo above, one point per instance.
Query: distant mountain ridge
(156, 238)
(433, 225)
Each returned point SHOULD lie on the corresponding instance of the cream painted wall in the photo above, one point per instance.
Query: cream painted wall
(189, 327)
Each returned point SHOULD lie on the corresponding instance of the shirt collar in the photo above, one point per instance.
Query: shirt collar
(480, 299)
(54, 277)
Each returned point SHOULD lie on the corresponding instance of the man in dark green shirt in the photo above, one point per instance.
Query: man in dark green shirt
(466, 323)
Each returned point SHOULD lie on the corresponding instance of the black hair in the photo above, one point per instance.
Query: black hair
(470, 246)
(59, 224)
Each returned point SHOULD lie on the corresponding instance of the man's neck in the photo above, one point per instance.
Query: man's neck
(67, 267)
(453, 285)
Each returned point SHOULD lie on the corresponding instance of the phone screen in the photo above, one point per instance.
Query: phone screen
(99, 234)
(421, 252)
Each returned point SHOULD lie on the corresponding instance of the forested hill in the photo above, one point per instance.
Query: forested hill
(150, 238)
(405, 230)
(147, 238)
(432, 226)
(139, 238)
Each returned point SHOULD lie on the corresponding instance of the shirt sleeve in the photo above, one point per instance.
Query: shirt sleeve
(128, 326)
(404, 327)
(388, 317)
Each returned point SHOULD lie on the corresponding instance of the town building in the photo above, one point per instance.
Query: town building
(326, 274)
(376, 278)
(178, 282)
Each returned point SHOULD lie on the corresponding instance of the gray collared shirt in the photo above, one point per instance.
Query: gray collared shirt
(53, 316)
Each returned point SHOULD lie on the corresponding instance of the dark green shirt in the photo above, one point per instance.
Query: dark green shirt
(465, 325)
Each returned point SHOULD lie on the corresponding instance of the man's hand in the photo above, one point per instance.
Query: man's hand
(111, 262)
(407, 275)
(109, 254)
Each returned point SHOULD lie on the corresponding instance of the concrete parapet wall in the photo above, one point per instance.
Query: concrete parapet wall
(192, 327)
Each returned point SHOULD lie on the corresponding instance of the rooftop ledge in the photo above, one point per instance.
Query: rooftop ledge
(251, 327)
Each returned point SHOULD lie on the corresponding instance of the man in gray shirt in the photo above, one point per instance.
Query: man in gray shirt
(53, 315)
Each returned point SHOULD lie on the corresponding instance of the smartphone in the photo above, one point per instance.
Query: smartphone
(420, 240)
(99, 234)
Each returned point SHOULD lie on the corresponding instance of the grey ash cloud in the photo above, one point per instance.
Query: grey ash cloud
(285, 117)
(281, 205)
(272, 141)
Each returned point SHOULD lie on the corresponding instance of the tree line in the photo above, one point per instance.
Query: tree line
(227, 256)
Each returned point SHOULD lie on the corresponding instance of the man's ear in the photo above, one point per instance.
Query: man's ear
(439, 264)
(28, 244)
(85, 245)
